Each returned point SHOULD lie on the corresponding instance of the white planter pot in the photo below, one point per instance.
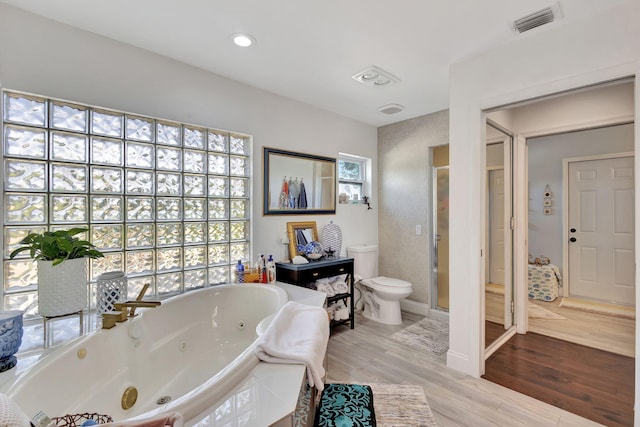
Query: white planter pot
(62, 289)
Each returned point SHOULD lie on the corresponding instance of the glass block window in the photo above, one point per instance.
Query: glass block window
(166, 202)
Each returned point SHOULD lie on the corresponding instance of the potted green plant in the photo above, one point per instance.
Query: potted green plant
(62, 269)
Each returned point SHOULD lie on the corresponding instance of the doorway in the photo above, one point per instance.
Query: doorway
(546, 149)
(547, 205)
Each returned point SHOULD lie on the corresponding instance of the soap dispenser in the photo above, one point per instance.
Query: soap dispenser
(271, 270)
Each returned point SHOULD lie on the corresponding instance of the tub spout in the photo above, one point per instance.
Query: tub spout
(132, 305)
(110, 318)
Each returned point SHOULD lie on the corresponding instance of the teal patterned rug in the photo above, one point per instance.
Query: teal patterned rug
(346, 405)
(394, 405)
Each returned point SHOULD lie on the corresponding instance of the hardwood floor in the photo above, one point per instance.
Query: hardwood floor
(531, 363)
(367, 354)
(609, 333)
(595, 384)
(492, 331)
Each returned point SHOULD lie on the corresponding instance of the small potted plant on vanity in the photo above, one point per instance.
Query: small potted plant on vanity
(62, 269)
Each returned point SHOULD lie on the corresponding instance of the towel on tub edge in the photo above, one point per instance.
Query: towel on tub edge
(172, 419)
(10, 413)
(298, 334)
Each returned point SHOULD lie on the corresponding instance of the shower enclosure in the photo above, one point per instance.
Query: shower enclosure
(440, 219)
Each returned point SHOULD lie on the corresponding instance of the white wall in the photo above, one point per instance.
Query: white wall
(551, 59)
(44, 57)
(545, 168)
(585, 108)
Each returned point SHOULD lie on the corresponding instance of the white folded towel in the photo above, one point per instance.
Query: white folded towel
(340, 287)
(10, 414)
(340, 278)
(298, 334)
(327, 288)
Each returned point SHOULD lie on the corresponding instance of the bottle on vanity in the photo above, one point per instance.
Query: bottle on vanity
(271, 270)
(240, 271)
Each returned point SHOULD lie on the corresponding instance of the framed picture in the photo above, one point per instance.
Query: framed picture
(300, 234)
(547, 201)
(547, 211)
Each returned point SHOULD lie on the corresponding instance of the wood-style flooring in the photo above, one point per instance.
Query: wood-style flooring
(605, 332)
(609, 333)
(492, 331)
(595, 384)
(367, 354)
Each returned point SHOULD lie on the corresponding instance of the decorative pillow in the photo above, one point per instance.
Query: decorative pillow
(346, 405)
(10, 414)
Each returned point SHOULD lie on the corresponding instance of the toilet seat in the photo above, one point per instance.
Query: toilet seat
(387, 283)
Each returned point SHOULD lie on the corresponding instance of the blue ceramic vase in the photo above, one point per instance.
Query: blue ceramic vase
(10, 338)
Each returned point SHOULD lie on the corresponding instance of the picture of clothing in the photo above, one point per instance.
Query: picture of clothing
(283, 201)
(302, 198)
(294, 192)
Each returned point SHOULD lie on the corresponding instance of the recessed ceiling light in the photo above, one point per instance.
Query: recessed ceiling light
(243, 40)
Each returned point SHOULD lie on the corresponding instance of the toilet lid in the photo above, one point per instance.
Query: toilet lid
(391, 282)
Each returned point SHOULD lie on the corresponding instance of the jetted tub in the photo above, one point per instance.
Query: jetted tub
(191, 351)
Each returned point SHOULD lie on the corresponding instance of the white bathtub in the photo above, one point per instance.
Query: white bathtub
(194, 349)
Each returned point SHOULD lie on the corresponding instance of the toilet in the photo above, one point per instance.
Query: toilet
(381, 294)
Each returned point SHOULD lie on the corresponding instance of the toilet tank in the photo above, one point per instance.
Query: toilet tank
(365, 260)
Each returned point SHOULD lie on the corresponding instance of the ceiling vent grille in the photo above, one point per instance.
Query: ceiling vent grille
(534, 20)
(391, 108)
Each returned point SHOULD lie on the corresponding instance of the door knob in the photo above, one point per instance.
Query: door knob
(573, 230)
(573, 239)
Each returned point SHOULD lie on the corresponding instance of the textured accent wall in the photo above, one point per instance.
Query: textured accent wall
(404, 176)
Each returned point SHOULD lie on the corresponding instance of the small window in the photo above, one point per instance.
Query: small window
(351, 179)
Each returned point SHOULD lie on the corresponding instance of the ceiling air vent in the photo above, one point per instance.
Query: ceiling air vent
(534, 20)
(391, 108)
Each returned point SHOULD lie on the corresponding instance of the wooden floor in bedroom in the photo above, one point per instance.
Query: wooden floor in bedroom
(368, 354)
(592, 383)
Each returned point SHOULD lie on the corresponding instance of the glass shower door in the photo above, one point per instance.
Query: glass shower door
(441, 237)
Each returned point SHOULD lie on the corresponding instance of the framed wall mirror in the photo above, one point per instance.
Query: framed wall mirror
(300, 233)
(298, 183)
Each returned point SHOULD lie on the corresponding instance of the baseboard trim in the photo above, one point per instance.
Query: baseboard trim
(459, 362)
(414, 307)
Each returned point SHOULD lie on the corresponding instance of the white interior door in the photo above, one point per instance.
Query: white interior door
(601, 230)
(496, 226)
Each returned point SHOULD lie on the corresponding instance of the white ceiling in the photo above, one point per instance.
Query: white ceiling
(308, 50)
